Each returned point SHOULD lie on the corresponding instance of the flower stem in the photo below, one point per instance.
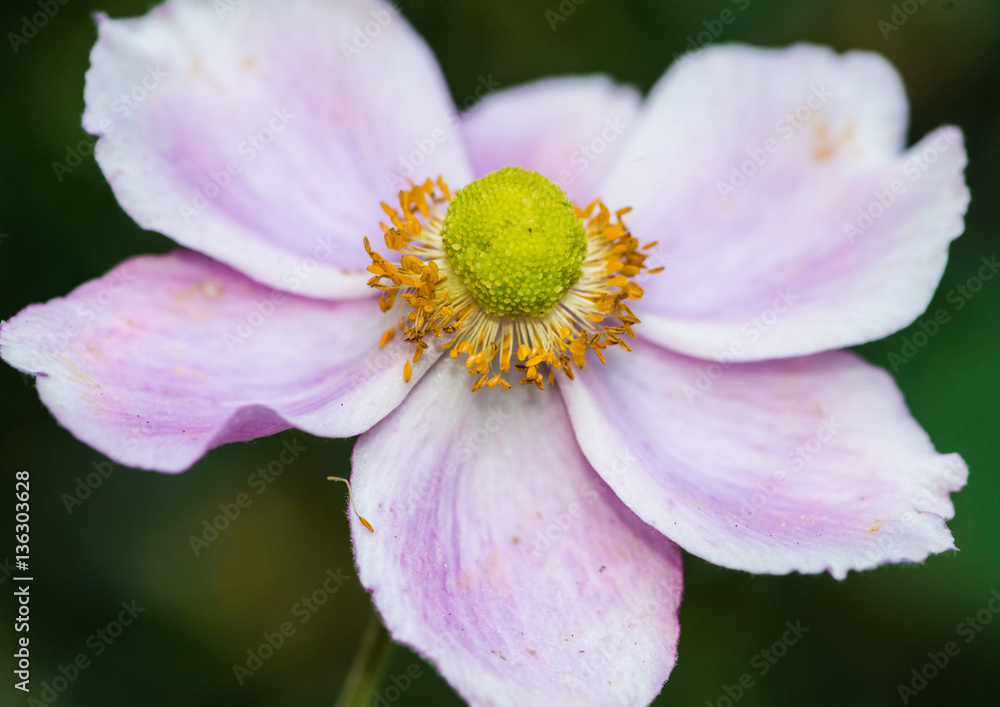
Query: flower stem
(369, 664)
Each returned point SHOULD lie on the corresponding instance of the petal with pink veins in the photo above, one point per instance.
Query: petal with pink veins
(568, 129)
(805, 464)
(500, 555)
(167, 357)
(266, 135)
(788, 215)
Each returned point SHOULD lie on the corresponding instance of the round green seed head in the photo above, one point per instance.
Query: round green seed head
(515, 241)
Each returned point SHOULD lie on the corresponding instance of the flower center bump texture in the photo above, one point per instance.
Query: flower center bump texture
(507, 271)
(516, 242)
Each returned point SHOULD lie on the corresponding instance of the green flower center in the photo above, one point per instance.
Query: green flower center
(515, 241)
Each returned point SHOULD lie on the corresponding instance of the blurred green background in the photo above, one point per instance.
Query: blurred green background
(129, 540)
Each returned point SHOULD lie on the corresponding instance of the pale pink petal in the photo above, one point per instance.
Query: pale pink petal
(805, 464)
(166, 357)
(281, 93)
(568, 129)
(771, 267)
(502, 557)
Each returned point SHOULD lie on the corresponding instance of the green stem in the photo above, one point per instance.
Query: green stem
(369, 664)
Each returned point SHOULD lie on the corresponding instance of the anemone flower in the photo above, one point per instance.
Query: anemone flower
(528, 510)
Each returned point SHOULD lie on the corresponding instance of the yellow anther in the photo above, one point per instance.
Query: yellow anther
(350, 497)
(590, 315)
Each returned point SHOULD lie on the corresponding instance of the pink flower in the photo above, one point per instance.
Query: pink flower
(519, 535)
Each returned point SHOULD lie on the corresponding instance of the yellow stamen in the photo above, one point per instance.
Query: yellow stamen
(434, 302)
(350, 497)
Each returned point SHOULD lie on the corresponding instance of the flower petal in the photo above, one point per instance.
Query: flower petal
(266, 135)
(805, 464)
(568, 129)
(166, 357)
(836, 237)
(501, 556)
